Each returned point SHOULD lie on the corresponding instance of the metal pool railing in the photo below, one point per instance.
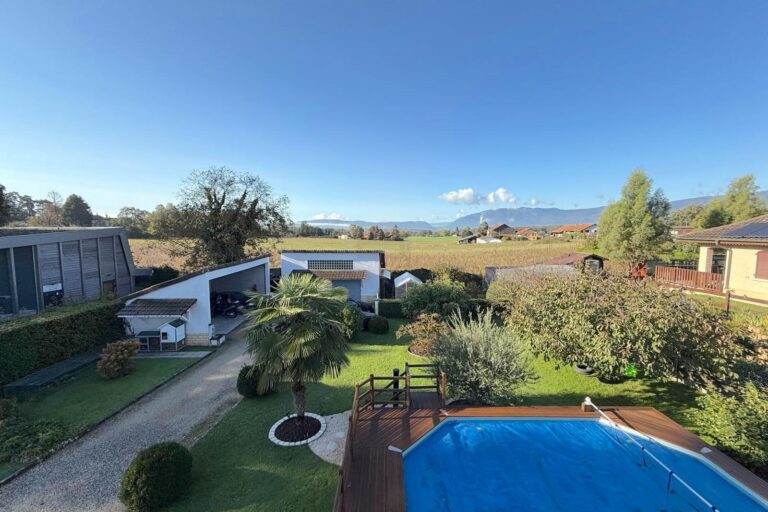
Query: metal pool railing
(644, 451)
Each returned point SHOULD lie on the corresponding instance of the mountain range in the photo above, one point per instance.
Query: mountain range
(522, 216)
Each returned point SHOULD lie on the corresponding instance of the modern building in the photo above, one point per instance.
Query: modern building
(180, 311)
(359, 272)
(732, 258)
(42, 267)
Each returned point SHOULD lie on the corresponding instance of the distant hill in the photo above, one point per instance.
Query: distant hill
(523, 216)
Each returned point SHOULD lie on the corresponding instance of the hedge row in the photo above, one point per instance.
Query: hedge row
(29, 343)
(391, 308)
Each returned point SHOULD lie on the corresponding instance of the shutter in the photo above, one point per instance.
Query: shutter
(761, 271)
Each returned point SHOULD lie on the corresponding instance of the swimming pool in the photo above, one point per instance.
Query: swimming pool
(468, 464)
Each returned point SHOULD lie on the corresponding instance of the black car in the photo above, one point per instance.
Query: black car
(362, 306)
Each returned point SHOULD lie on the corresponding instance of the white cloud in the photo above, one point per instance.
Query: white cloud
(327, 216)
(463, 195)
(501, 195)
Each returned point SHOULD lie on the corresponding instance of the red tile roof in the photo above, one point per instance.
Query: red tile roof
(572, 228)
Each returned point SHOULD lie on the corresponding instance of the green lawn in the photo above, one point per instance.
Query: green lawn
(238, 468)
(86, 398)
(736, 306)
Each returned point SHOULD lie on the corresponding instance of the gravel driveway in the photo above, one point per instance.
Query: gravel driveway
(85, 476)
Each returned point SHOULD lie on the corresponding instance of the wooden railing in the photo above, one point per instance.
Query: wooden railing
(692, 279)
(396, 391)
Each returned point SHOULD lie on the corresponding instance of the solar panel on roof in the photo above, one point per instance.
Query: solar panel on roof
(757, 229)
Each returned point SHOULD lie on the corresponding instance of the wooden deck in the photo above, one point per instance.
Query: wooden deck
(372, 474)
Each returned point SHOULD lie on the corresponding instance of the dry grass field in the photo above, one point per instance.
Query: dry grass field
(414, 252)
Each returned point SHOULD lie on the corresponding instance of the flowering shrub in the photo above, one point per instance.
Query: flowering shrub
(115, 359)
(423, 331)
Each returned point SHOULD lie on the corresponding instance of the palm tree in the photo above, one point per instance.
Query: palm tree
(296, 334)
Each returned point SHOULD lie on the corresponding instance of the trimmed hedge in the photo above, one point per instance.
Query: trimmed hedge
(378, 325)
(391, 308)
(156, 477)
(32, 342)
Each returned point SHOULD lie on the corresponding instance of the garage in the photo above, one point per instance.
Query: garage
(353, 287)
(210, 303)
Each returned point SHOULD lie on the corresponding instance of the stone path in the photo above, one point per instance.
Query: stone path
(330, 446)
(85, 476)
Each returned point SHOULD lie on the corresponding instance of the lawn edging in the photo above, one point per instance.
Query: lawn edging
(93, 426)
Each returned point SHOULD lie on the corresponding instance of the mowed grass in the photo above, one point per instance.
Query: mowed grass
(86, 398)
(413, 252)
(237, 468)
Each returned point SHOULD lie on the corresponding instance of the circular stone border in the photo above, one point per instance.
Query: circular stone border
(297, 443)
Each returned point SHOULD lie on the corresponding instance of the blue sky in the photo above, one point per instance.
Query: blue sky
(383, 110)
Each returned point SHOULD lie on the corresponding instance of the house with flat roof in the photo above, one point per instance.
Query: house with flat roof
(732, 258)
(41, 267)
(359, 272)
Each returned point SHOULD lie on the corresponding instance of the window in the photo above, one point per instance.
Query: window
(761, 269)
(164, 335)
(329, 264)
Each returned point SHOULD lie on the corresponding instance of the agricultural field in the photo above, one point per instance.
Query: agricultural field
(414, 252)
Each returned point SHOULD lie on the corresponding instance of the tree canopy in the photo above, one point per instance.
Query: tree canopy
(223, 214)
(4, 206)
(634, 228)
(739, 203)
(76, 212)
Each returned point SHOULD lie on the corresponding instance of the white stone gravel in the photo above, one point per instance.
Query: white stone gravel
(85, 476)
(330, 446)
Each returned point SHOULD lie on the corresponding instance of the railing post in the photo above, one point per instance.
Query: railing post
(396, 385)
(443, 388)
(407, 386)
(373, 393)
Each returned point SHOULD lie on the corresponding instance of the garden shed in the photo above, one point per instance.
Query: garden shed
(405, 282)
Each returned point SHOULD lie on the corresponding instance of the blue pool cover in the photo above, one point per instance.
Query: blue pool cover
(478, 465)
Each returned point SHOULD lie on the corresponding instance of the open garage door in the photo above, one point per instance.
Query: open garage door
(353, 287)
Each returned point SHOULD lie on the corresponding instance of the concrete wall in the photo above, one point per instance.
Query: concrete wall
(367, 261)
(705, 258)
(740, 278)
(198, 287)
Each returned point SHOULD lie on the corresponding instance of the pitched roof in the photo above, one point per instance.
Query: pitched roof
(497, 227)
(406, 277)
(572, 258)
(572, 228)
(156, 307)
(525, 231)
(748, 231)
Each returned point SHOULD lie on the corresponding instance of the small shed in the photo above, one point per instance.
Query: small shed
(488, 240)
(580, 260)
(471, 239)
(405, 282)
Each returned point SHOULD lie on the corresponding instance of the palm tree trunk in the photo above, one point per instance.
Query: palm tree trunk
(299, 400)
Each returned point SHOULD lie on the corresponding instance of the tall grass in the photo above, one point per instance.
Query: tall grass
(414, 252)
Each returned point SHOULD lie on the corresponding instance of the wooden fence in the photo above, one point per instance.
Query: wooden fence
(691, 279)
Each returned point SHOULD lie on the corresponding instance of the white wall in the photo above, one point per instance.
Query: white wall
(367, 261)
(197, 287)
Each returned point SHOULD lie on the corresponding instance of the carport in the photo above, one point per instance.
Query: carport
(247, 276)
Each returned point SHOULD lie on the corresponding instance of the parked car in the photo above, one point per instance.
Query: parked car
(224, 304)
(362, 306)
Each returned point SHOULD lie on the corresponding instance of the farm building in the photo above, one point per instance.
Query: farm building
(574, 229)
(359, 272)
(471, 239)
(500, 230)
(732, 259)
(48, 266)
(580, 260)
(529, 233)
(405, 282)
(488, 240)
(180, 311)
(570, 264)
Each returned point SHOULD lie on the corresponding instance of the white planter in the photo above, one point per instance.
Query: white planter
(297, 443)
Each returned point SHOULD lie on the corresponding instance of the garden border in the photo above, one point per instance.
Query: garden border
(279, 422)
(93, 427)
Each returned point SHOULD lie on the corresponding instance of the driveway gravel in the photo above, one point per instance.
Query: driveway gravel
(85, 476)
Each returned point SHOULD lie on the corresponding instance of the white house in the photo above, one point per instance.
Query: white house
(488, 240)
(405, 282)
(357, 271)
(178, 311)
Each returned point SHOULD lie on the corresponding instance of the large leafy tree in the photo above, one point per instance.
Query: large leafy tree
(76, 212)
(222, 214)
(297, 334)
(739, 203)
(687, 215)
(4, 206)
(634, 228)
(134, 220)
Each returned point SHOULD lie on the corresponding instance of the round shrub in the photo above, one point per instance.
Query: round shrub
(378, 325)
(352, 319)
(441, 297)
(156, 477)
(248, 383)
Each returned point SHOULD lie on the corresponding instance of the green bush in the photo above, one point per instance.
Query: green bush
(378, 325)
(248, 383)
(33, 342)
(391, 308)
(484, 361)
(622, 327)
(116, 360)
(443, 298)
(156, 477)
(352, 318)
(8, 408)
(472, 283)
(22, 441)
(736, 424)
(423, 331)
(159, 275)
